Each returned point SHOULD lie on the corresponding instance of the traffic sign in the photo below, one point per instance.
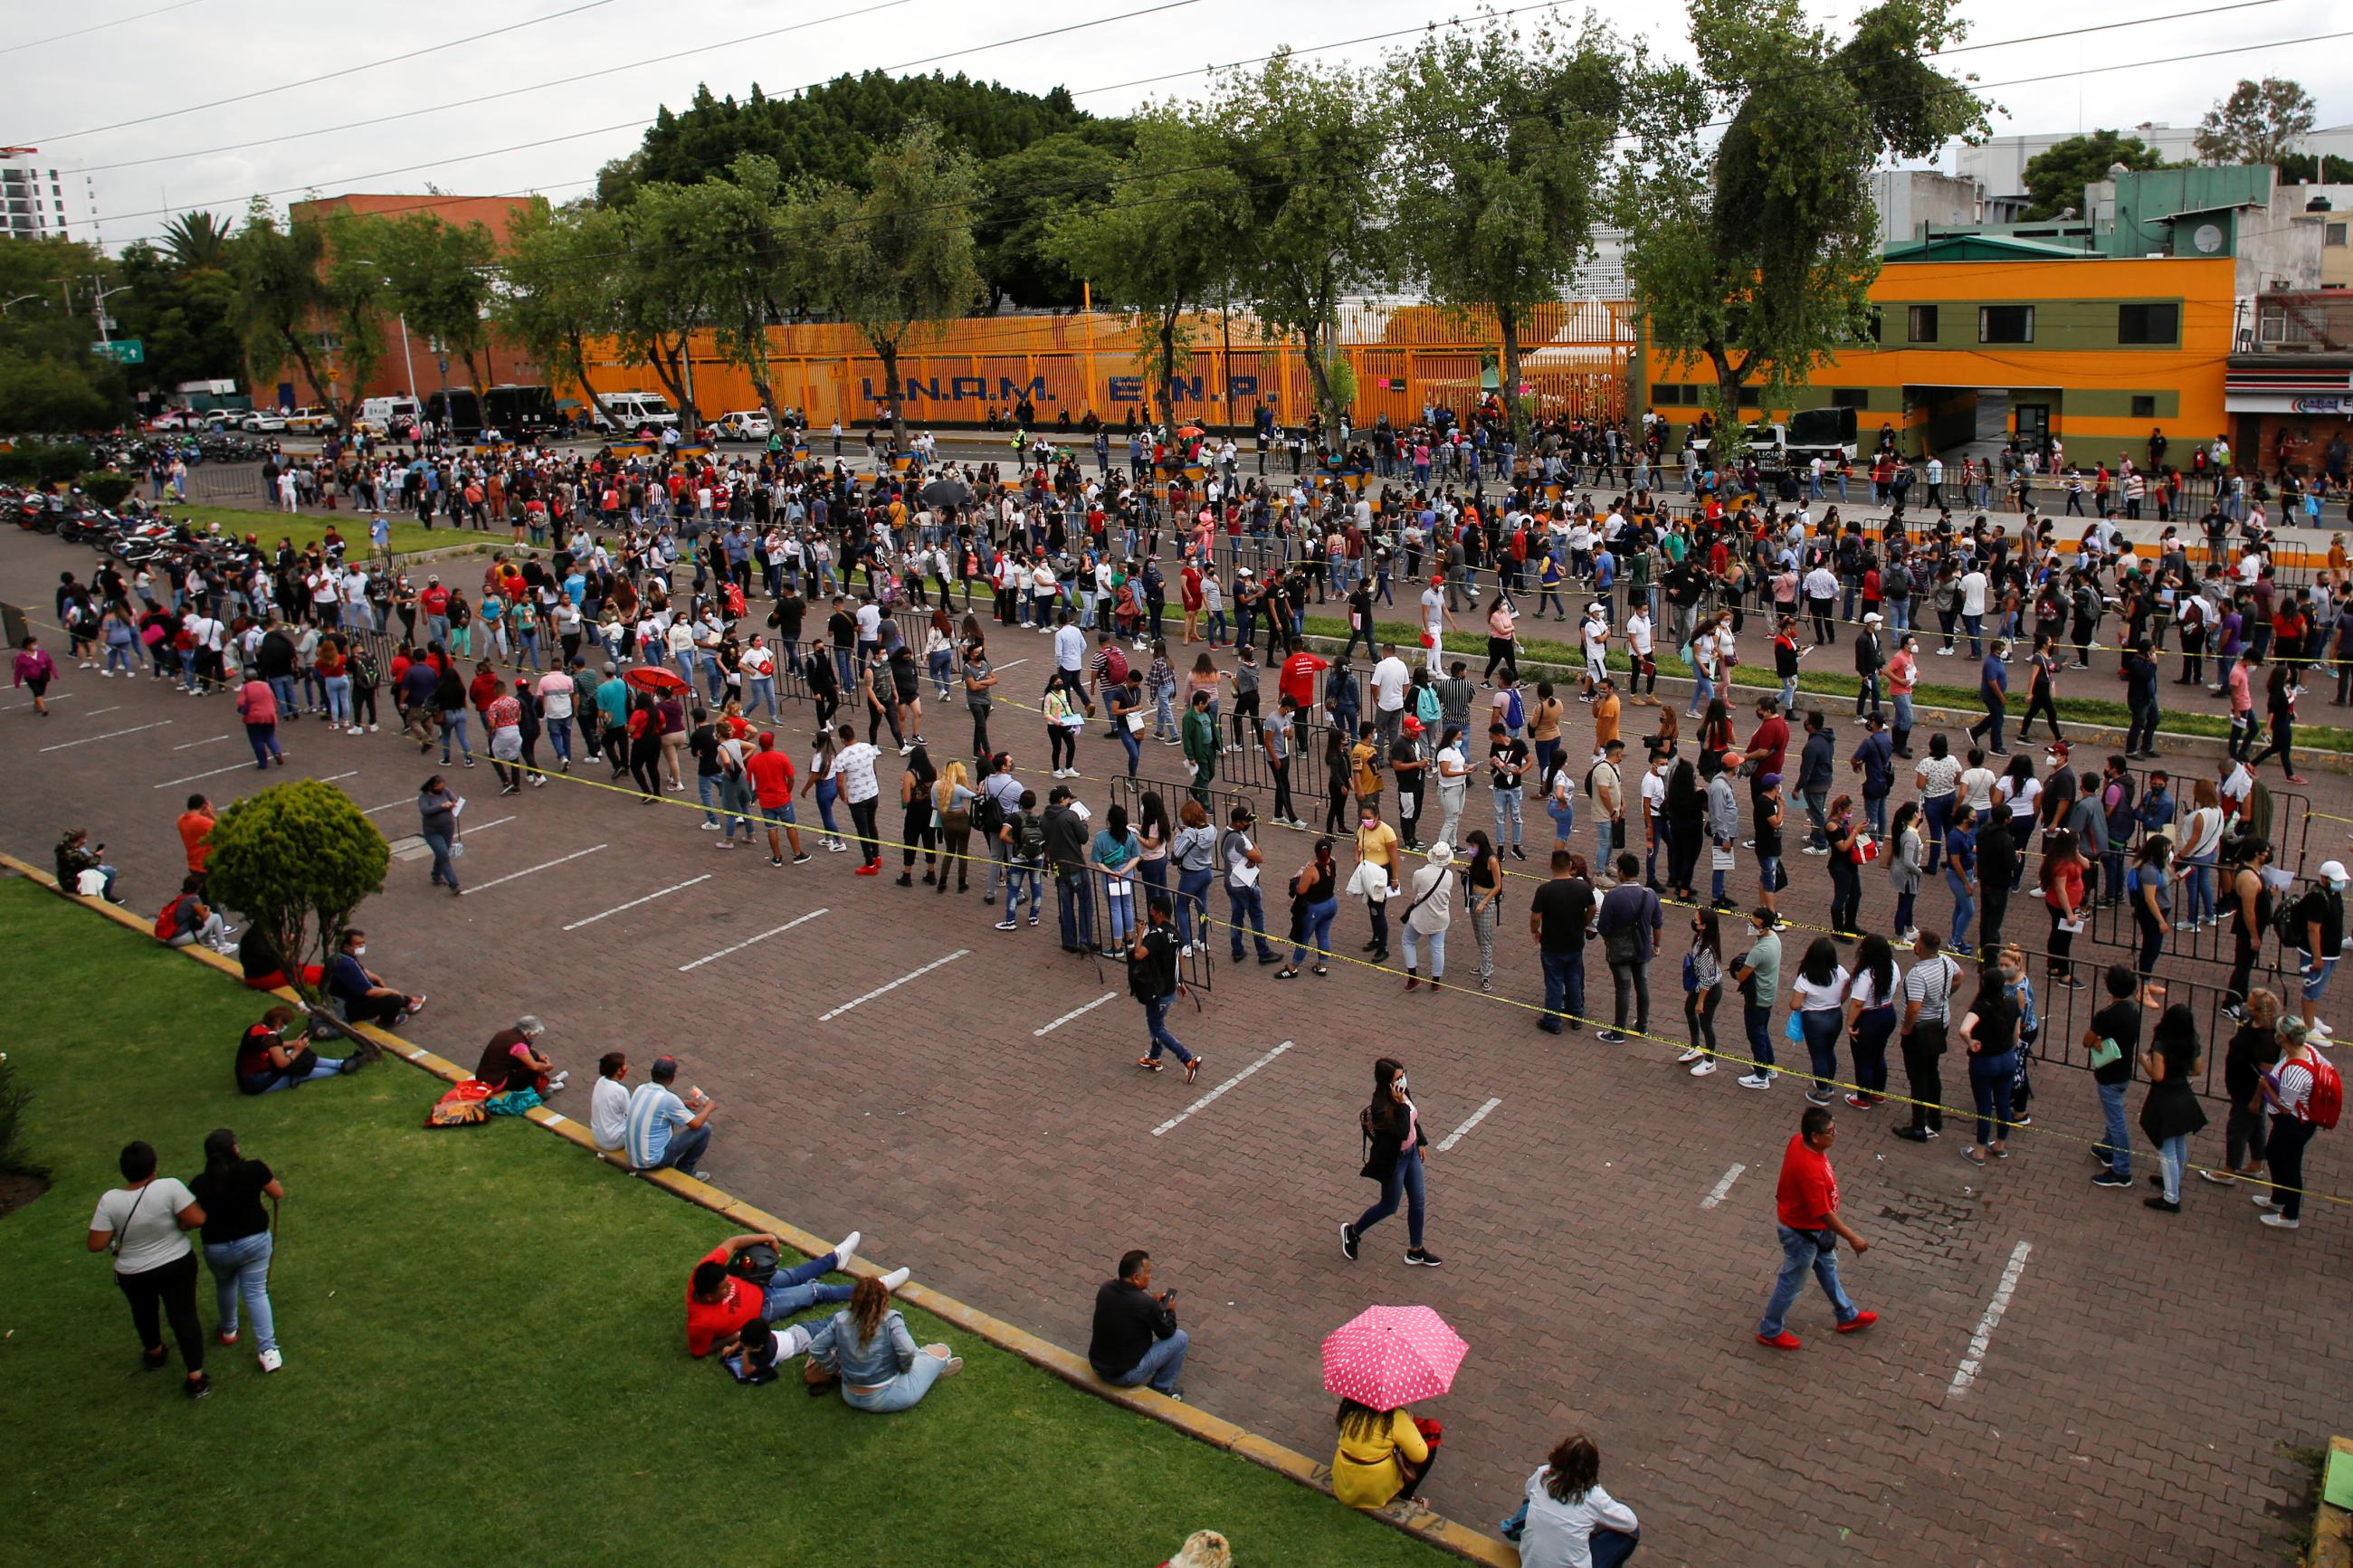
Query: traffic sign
(122, 351)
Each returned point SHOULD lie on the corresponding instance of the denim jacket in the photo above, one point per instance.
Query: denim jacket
(890, 1351)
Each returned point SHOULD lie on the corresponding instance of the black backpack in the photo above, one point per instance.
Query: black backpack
(987, 817)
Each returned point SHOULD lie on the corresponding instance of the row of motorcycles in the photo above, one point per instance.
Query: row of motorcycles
(132, 537)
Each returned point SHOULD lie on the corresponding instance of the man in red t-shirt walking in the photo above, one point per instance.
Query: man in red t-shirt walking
(1806, 1207)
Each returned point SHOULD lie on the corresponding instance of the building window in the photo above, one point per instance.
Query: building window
(2148, 325)
(1852, 397)
(2005, 324)
(2333, 236)
(1920, 323)
(2144, 407)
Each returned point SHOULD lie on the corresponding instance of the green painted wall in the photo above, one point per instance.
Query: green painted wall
(2059, 324)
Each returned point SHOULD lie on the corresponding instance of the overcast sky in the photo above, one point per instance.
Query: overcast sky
(287, 143)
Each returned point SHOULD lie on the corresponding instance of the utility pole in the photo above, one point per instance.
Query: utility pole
(100, 294)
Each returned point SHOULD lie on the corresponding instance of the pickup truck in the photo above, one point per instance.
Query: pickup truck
(310, 421)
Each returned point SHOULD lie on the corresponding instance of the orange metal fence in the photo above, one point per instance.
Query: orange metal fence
(1576, 359)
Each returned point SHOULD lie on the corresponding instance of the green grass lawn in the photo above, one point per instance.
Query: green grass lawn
(1555, 657)
(485, 1356)
(308, 528)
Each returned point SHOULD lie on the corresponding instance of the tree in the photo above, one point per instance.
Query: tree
(353, 300)
(661, 295)
(49, 381)
(186, 316)
(296, 860)
(2260, 122)
(1757, 256)
(897, 260)
(1166, 244)
(53, 394)
(196, 242)
(558, 291)
(282, 293)
(730, 236)
(1503, 168)
(2302, 169)
(438, 277)
(2055, 178)
(1026, 191)
(1309, 241)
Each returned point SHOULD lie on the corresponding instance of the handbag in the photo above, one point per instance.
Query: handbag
(1795, 1030)
(2106, 1053)
(1691, 975)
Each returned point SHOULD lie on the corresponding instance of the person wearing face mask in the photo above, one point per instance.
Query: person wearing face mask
(1375, 877)
(2320, 923)
(1902, 674)
(1395, 1149)
(1482, 895)
(360, 992)
(1315, 900)
(1428, 915)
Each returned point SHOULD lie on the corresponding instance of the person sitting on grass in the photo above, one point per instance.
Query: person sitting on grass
(719, 1300)
(868, 1347)
(365, 998)
(273, 1055)
(752, 1354)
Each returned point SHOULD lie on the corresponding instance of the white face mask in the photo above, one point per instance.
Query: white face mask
(360, 952)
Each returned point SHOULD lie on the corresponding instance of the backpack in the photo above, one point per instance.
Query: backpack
(2289, 919)
(1029, 836)
(2327, 1097)
(1114, 663)
(987, 817)
(167, 923)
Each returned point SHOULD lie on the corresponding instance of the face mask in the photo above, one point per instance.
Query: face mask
(2336, 884)
(360, 952)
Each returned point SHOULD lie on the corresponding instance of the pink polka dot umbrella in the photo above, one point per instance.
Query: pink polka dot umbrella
(1386, 1357)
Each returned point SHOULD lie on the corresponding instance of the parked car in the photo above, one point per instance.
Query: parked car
(172, 419)
(310, 421)
(635, 411)
(265, 422)
(747, 425)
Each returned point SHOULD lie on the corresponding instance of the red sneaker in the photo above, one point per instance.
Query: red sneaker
(1859, 1322)
(1784, 1340)
(871, 868)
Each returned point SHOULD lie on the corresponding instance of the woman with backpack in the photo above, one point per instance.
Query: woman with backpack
(1393, 1151)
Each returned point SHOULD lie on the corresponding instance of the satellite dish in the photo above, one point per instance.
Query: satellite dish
(2208, 239)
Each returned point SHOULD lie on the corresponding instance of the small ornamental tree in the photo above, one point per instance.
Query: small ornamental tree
(296, 860)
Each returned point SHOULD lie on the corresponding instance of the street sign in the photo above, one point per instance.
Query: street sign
(122, 351)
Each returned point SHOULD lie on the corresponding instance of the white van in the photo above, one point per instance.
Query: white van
(635, 410)
(390, 416)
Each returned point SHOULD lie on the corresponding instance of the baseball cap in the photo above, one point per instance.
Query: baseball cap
(1768, 781)
(1872, 619)
(1060, 792)
(2057, 748)
(1412, 725)
(2332, 870)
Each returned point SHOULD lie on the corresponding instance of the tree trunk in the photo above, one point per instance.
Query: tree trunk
(1731, 376)
(320, 393)
(1319, 375)
(667, 362)
(887, 350)
(1167, 367)
(1508, 320)
(579, 368)
(474, 377)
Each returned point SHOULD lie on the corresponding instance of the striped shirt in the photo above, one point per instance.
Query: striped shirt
(654, 1113)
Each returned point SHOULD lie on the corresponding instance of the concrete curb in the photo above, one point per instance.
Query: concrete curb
(1444, 1533)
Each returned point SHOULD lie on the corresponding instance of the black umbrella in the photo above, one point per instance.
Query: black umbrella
(945, 494)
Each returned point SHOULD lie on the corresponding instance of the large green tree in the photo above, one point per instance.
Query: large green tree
(183, 312)
(1309, 240)
(1027, 190)
(731, 233)
(438, 277)
(556, 289)
(2259, 122)
(282, 295)
(896, 259)
(1168, 242)
(2055, 177)
(49, 380)
(1502, 146)
(1756, 252)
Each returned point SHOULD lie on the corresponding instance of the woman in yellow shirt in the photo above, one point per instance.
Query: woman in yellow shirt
(1381, 1455)
(1375, 878)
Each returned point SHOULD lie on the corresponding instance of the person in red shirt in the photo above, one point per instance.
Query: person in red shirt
(1806, 1206)
(1299, 681)
(195, 824)
(771, 772)
(1189, 588)
(485, 689)
(718, 1303)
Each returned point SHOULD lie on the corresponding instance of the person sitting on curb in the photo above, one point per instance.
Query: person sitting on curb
(273, 1055)
(868, 1347)
(1136, 1337)
(608, 1105)
(364, 998)
(511, 1061)
(720, 1300)
(187, 919)
(82, 869)
(264, 969)
(663, 1130)
(1565, 1518)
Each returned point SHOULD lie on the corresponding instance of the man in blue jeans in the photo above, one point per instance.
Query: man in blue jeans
(719, 1301)
(1066, 849)
(1152, 980)
(665, 1132)
(1806, 1206)
(1245, 904)
(1136, 1337)
(1560, 917)
(2119, 1022)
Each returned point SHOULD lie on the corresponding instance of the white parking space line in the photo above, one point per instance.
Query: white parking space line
(192, 745)
(483, 826)
(233, 767)
(1203, 1103)
(1967, 1373)
(109, 735)
(388, 805)
(96, 711)
(527, 870)
(633, 903)
(1073, 1013)
(1715, 1195)
(747, 941)
(1463, 1131)
(54, 699)
(893, 985)
(1009, 664)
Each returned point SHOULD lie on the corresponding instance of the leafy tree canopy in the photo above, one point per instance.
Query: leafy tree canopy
(296, 860)
(2056, 178)
(2259, 122)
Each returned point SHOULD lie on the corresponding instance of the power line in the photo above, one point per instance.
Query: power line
(493, 97)
(328, 76)
(633, 124)
(99, 27)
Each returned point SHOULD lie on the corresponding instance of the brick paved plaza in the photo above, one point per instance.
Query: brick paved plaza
(2059, 1374)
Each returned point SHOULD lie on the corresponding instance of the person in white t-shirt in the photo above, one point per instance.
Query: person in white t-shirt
(1437, 620)
(1389, 680)
(144, 1223)
(853, 770)
(608, 1104)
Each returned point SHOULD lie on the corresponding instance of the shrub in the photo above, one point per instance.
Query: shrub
(107, 490)
(30, 462)
(13, 1097)
(296, 860)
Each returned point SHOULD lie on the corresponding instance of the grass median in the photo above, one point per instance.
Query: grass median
(484, 1344)
(306, 529)
(1560, 659)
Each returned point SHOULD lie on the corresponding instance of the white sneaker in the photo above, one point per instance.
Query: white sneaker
(270, 1359)
(709, 827)
(1690, 1057)
(1756, 1081)
(2320, 1026)
(1704, 1068)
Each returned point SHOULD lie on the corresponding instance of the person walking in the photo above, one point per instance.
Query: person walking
(1806, 1211)
(1394, 1150)
(438, 810)
(144, 1223)
(237, 1241)
(1151, 981)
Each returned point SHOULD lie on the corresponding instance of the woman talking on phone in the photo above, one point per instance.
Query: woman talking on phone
(1393, 1148)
